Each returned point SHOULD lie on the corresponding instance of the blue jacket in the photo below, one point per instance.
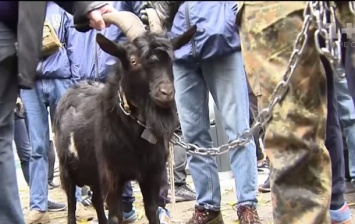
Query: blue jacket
(64, 64)
(217, 35)
(93, 66)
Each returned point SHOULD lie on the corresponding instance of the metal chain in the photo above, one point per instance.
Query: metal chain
(314, 14)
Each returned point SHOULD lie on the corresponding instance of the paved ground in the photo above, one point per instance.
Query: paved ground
(182, 211)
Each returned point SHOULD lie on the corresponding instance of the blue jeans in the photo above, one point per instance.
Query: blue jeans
(224, 77)
(334, 142)
(46, 93)
(347, 118)
(23, 147)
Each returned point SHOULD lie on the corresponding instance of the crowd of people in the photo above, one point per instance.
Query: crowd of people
(237, 55)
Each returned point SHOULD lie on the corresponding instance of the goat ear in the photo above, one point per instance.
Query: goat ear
(113, 49)
(183, 39)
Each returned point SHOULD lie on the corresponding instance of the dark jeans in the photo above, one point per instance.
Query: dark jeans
(51, 162)
(23, 147)
(350, 69)
(10, 206)
(254, 111)
(24, 150)
(180, 161)
(334, 144)
(128, 198)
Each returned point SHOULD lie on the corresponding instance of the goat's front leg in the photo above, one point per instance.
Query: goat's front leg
(150, 187)
(114, 204)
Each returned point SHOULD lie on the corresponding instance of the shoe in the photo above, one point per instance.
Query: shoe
(341, 215)
(130, 217)
(86, 200)
(184, 193)
(37, 217)
(55, 206)
(262, 166)
(203, 216)
(82, 213)
(265, 187)
(247, 215)
(52, 185)
(164, 216)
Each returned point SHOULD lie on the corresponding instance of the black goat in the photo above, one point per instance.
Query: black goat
(107, 134)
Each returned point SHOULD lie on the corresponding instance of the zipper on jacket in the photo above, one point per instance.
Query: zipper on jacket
(187, 18)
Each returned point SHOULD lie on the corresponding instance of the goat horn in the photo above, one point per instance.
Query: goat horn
(127, 22)
(155, 24)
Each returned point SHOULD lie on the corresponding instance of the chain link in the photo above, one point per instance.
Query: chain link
(316, 13)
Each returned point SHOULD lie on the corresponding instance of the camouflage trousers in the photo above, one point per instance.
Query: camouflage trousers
(294, 139)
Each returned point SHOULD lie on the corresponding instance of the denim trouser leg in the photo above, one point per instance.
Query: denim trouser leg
(334, 144)
(23, 147)
(46, 92)
(10, 206)
(127, 195)
(225, 79)
(180, 160)
(350, 70)
(347, 118)
(37, 119)
(51, 161)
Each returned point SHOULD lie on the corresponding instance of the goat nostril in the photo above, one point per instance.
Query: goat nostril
(165, 91)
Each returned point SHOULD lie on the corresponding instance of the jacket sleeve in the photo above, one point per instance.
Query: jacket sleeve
(79, 9)
(135, 7)
(72, 45)
(166, 10)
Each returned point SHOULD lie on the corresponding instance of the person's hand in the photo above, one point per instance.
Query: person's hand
(144, 16)
(95, 17)
(19, 101)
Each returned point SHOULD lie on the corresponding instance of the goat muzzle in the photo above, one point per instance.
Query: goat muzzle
(165, 94)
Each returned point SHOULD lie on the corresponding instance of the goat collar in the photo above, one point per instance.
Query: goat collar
(126, 109)
(123, 102)
(147, 134)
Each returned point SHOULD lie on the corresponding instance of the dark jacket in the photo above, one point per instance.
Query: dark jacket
(30, 28)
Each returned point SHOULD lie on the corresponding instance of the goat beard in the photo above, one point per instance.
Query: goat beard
(162, 121)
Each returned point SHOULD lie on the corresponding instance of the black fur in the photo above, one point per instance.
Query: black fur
(108, 143)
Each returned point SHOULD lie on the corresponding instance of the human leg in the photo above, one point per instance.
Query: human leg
(129, 213)
(51, 164)
(10, 205)
(23, 147)
(36, 114)
(226, 80)
(192, 103)
(347, 118)
(253, 105)
(182, 191)
(334, 144)
(294, 140)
